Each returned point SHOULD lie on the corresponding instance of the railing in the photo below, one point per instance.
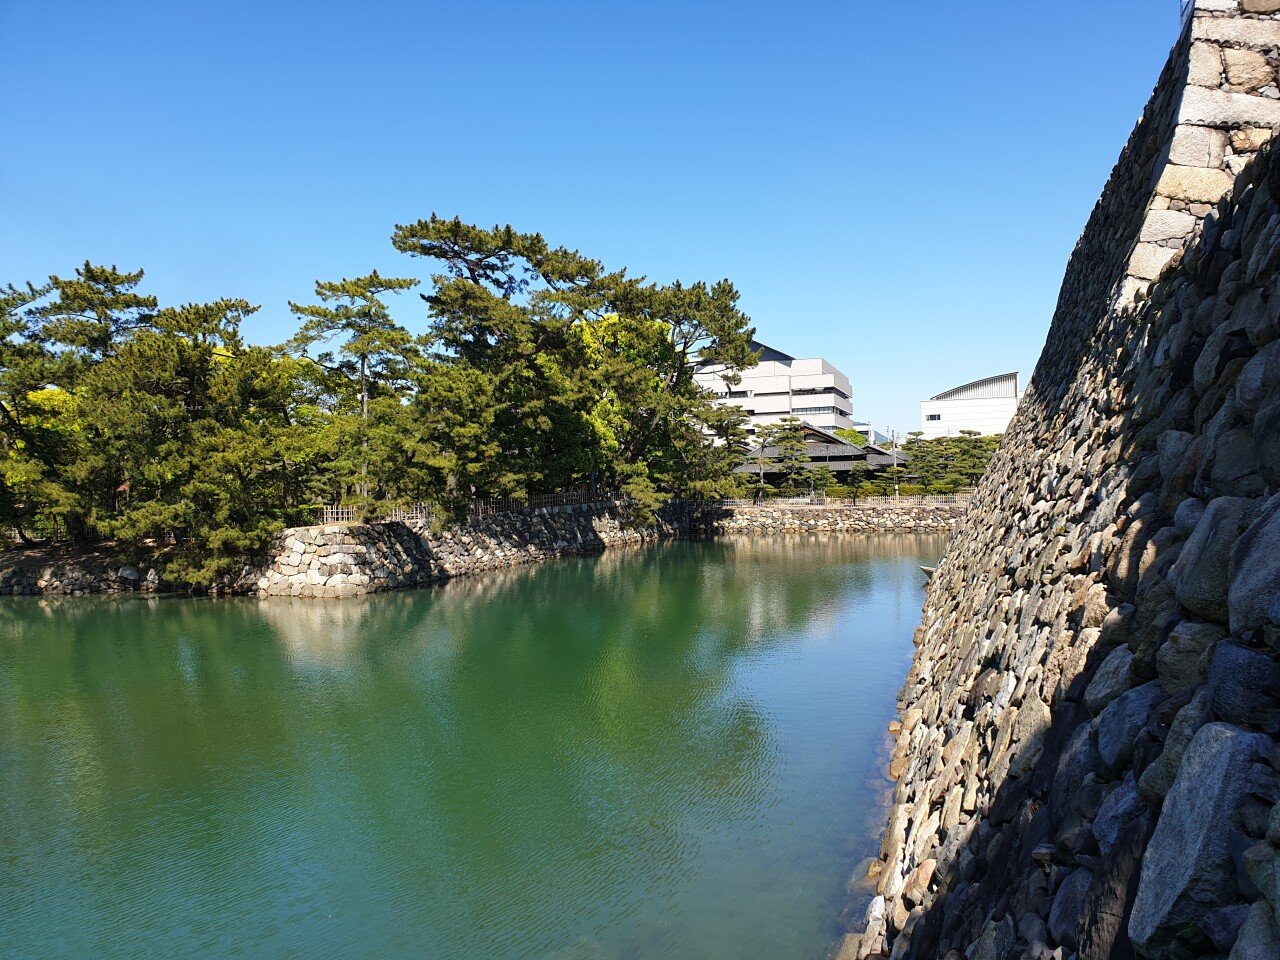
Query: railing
(492, 506)
(480, 507)
(881, 502)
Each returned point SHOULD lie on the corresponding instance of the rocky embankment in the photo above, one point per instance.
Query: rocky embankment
(1087, 760)
(345, 560)
(349, 560)
(65, 571)
(872, 518)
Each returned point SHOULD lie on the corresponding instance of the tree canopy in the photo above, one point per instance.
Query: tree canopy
(947, 464)
(526, 369)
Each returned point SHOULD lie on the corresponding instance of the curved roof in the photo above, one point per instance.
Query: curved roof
(1003, 385)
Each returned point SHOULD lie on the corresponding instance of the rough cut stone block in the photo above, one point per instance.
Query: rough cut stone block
(1225, 108)
(1188, 869)
(1111, 680)
(1258, 938)
(1257, 33)
(1120, 723)
(1255, 571)
(1249, 139)
(1195, 183)
(1195, 146)
(1205, 68)
(1199, 576)
(1150, 260)
(1254, 6)
(1158, 778)
(1247, 69)
(1238, 681)
(1068, 905)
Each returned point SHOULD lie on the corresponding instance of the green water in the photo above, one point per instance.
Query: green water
(669, 753)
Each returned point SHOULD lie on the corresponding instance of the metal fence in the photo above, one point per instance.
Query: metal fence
(492, 506)
(476, 508)
(880, 502)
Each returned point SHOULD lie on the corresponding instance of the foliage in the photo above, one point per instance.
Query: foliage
(535, 370)
(852, 436)
(790, 453)
(947, 464)
(585, 375)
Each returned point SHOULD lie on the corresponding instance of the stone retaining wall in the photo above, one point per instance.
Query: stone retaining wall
(352, 559)
(1086, 757)
(67, 572)
(799, 519)
(343, 560)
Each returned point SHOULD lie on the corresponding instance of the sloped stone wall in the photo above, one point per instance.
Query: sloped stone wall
(875, 518)
(1086, 758)
(346, 560)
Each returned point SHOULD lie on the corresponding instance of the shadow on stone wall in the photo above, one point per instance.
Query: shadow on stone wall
(1087, 757)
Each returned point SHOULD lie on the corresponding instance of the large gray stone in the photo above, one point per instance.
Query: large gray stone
(1235, 470)
(1237, 30)
(1222, 926)
(1120, 806)
(1120, 723)
(1188, 869)
(1220, 107)
(1111, 680)
(1205, 68)
(1199, 577)
(1180, 661)
(1158, 778)
(1258, 938)
(1079, 758)
(1239, 684)
(1255, 570)
(1030, 728)
(1259, 381)
(1150, 260)
(1188, 514)
(1266, 441)
(1068, 905)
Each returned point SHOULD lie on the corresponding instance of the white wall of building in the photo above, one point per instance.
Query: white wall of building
(946, 418)
(811, 389)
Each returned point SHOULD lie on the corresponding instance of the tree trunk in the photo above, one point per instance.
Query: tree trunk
(364, 432)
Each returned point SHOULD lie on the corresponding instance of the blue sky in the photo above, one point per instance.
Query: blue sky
(893, 186)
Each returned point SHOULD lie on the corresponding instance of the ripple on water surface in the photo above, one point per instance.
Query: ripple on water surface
(663, 753)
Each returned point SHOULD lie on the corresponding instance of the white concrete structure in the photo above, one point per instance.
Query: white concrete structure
(784, 386)
(986, 406)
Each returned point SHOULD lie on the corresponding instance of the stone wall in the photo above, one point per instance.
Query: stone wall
(875, 518)
(344, 560)
(1086, 756)
(57, 571)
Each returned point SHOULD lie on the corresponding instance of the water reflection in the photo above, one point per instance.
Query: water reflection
(637, 755)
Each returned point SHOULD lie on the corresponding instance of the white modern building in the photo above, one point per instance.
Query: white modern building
(780, 386)
(985, 405)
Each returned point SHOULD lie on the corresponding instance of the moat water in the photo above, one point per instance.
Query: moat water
(674, 752)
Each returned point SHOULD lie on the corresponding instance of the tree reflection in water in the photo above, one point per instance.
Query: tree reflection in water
(597, 757)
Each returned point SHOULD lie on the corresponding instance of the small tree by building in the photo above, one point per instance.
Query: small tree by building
(790, 452)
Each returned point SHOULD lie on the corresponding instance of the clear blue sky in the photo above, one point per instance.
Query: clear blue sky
(895, 187)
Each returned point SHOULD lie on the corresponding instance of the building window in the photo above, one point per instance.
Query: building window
(738, 394)
(816, 410)
(934, 416)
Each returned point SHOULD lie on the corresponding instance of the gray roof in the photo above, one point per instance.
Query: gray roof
(988, 388)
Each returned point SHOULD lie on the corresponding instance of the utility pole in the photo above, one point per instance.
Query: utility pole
(893, 438)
